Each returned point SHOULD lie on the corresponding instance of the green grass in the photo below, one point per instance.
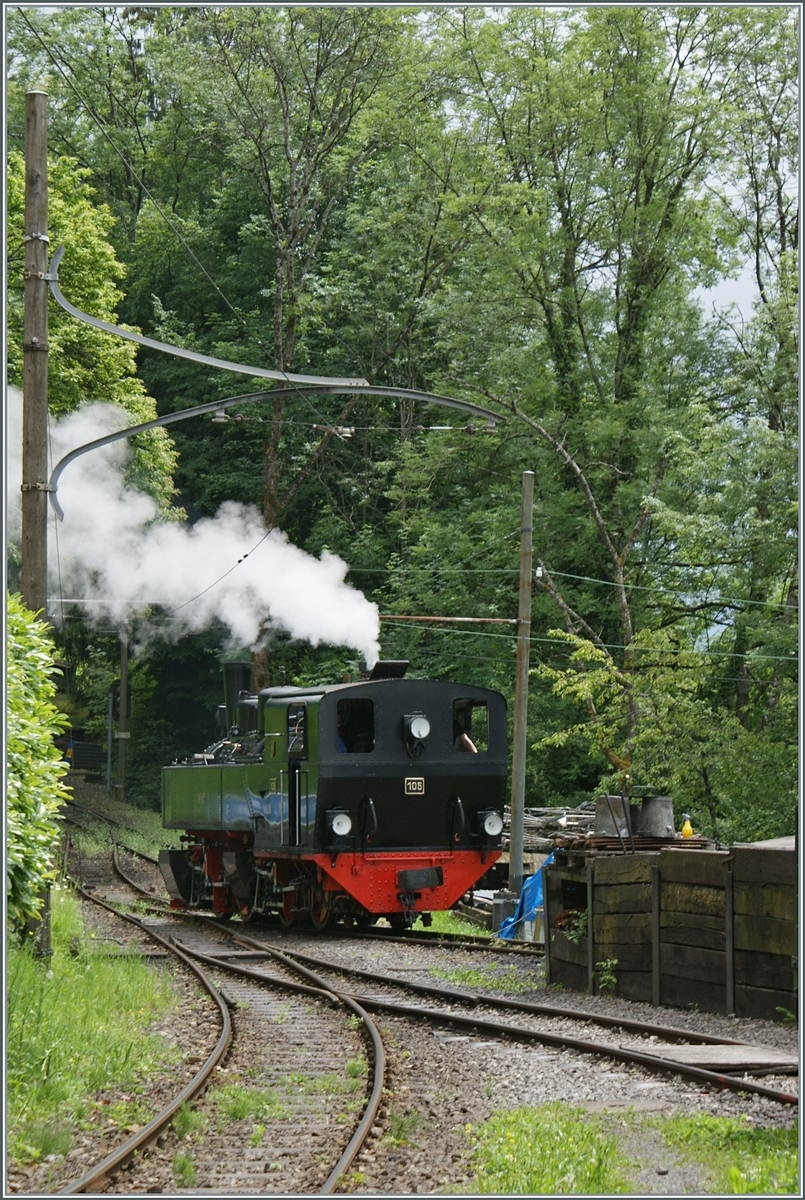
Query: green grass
(184, 1170)
(403, 1128)
(743, 1158)
(188, 1121)
(233, 1102)
(448, 922)
(493, 978)
(549, 1150)
(76, 1026)
(138, 828)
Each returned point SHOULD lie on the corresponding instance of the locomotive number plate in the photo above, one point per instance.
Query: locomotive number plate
(415, 787)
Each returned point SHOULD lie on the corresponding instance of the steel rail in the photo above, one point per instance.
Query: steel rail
(658, 1066)
(318, 988)
(670, 1033)
(151, 1131)
(655, 1064)
(459, 941)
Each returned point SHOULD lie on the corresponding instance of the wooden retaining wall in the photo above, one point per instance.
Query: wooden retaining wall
(712, 928)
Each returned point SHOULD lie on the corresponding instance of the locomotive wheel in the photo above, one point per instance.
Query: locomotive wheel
(321, 913)
(286, 921)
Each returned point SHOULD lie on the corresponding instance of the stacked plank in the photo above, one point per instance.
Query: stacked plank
(766, 907)
(712, 928)
(693, 929)
(541, 826)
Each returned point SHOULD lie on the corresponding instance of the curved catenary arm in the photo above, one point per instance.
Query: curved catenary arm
(251, 398)
(312, 385)
(179, 351)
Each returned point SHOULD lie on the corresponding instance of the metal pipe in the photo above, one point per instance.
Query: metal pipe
(521, 686)
(329, 389)
(33, 567)
(462, 620)
(615, 823)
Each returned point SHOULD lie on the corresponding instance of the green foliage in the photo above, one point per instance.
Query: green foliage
(188, 1121)
(84, 364)
(605, 973)
(185, 1174)
(519, 206)
(449, 922)
(403, 1128)
(746, 1158)
(76, 1026)
(34, 791)
(234, 1102)
(542, 1151)
(577, 929)
(506, 980)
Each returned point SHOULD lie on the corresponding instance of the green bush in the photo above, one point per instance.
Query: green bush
(34, 789)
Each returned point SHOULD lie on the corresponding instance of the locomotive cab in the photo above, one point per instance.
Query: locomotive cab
(382, 797)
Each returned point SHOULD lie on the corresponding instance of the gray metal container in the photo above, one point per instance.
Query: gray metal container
(604, 826)
(657, 817)
(635, 815)
(503, 906)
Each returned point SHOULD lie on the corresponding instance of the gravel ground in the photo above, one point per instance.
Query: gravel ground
(442, 1082)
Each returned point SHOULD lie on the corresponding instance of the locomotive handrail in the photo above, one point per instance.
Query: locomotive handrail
(458, 808)
(369, 811)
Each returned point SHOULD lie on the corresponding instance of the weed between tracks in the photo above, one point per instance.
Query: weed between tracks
(448, 922)
(236, 1103)
(493, 977)
(184, 1170)
(76, 1026)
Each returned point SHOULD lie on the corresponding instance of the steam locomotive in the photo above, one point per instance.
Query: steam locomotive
(382, 797)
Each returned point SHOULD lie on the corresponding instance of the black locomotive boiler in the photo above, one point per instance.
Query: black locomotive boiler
(382, 797)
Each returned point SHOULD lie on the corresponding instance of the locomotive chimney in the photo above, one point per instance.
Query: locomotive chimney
(236, 680)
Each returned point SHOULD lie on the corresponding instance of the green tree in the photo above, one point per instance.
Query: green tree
(34, 767)
(84, 364)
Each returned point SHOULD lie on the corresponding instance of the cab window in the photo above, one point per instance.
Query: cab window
(470, 726)
(355, 726)
(297, 731)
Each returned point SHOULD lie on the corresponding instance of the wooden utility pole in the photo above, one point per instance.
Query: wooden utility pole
(122, 733)
(33, 568)
(33, 580)
(521, 687)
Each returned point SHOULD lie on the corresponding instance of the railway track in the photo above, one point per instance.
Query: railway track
(458, 1020)
(638, 1041)
(299, 1051)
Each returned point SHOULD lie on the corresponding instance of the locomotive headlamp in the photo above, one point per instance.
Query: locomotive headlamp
(416, 728)
(419, 727)
(342, 824)
(492, 823)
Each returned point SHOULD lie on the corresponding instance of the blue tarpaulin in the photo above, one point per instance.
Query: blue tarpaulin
(530, 900)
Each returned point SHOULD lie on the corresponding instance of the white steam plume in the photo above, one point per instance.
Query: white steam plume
(114, 553)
